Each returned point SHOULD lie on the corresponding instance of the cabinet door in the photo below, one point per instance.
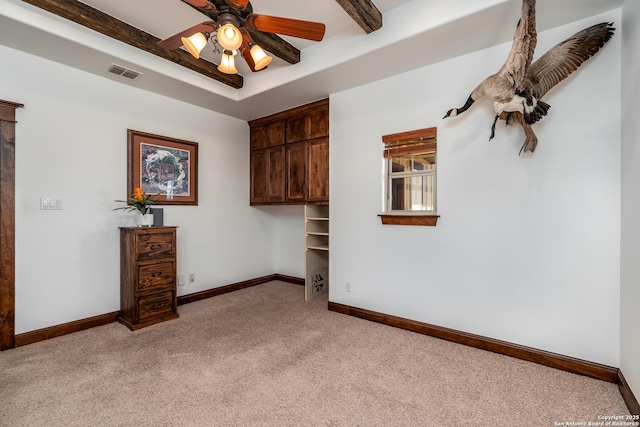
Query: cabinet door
(296, 128)
(275, 133)
(258, 137)
(267, 135)
(267, 175)
(318, 124)
(276, 174)
(318, 170)
(296, 172)
(259, 179)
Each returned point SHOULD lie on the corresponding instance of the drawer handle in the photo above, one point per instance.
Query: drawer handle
(157, 306)
(156, 247)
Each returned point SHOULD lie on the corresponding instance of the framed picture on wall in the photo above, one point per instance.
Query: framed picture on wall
(166, 167)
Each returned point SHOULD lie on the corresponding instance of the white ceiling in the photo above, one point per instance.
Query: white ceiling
(415, 33)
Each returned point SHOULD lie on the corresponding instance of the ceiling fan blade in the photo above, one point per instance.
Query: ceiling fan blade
(237, 4)
(205, 7)
(287, 27)
(175, 41)
(201, 4)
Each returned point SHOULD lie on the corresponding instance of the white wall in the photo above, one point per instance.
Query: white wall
(289, 239)
(630, 268)
(71, 141)
(527, 248)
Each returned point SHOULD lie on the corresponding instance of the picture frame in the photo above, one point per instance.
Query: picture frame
(164, 167)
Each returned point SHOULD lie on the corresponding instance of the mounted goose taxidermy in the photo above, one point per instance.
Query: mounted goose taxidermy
(518, 87)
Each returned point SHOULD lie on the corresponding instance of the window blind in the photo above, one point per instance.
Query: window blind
(418, 141)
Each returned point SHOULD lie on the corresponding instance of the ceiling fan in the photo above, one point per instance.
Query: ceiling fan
(228, 28)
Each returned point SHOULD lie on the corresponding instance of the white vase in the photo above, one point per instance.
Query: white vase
(145, 220)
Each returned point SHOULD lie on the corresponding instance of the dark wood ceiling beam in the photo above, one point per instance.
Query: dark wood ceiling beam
(276, 45)
(105, 24)
(364, 12)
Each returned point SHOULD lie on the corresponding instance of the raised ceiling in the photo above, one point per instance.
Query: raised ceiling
(414, 33)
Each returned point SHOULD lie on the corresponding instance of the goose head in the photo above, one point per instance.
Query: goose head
(451, 113)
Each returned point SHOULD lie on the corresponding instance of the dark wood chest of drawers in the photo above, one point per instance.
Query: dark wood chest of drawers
(147, 276)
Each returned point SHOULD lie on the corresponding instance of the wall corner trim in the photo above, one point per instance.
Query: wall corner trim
(627, 395)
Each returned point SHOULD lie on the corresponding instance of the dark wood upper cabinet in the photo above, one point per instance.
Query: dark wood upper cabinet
(290, 156)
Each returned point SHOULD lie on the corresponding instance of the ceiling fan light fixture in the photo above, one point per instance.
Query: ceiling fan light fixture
(227, 63)
(260, 58)
(195, 43)
(229, 37)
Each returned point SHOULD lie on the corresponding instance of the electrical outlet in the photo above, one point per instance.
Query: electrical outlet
(192, 277)
(347, 286)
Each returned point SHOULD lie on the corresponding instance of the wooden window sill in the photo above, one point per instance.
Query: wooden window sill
(404, 219)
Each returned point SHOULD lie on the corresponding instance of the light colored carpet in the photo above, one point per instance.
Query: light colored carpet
(264, 357)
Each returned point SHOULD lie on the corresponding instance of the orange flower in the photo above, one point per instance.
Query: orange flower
(139, 201)
(138, 194)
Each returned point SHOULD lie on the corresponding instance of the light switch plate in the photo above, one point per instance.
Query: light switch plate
(51, 203)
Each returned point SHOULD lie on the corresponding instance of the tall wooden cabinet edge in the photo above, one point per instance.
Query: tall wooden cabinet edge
(148, 288)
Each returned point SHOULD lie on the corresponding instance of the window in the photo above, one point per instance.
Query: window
(410, 184)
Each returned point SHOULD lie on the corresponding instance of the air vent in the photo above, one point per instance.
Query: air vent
(124, 72)
(116, 69)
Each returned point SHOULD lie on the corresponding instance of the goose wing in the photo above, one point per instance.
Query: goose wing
(564, 58)
(524, 45)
